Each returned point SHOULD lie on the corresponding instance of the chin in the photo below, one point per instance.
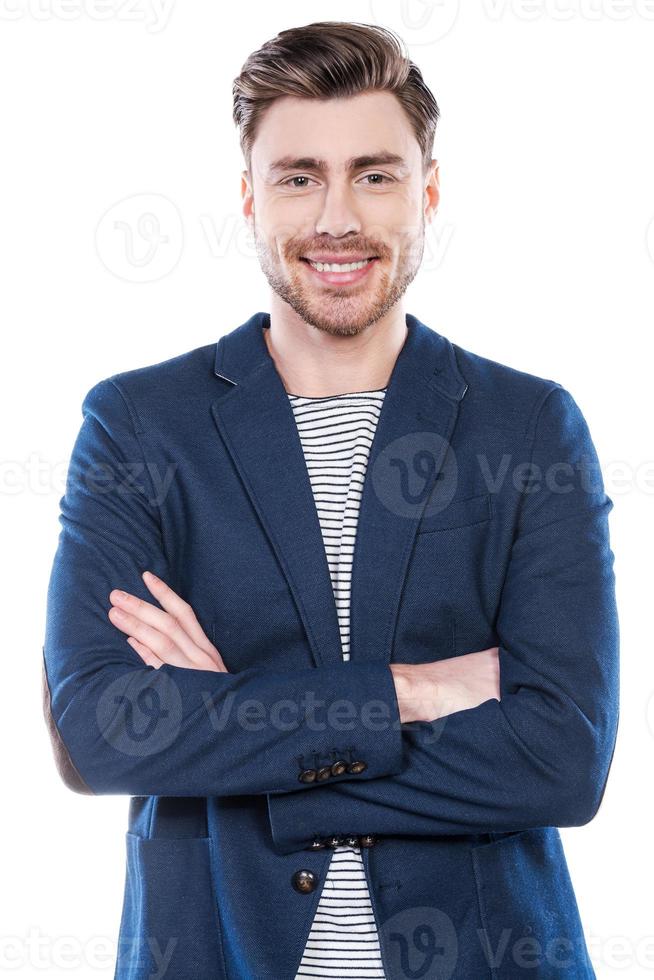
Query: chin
(343, 321)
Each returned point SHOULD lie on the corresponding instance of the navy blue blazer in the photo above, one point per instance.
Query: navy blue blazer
(483, 522)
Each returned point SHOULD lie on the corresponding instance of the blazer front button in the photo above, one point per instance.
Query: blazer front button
(308, 776)
(357, 767)
(304, 881)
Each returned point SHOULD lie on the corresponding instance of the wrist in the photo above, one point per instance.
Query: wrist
(404, 691)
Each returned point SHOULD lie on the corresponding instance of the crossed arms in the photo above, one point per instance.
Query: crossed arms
(540, 756)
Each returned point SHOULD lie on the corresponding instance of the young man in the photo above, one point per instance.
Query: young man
(343, 761)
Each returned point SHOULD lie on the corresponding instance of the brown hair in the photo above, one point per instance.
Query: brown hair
(328, 59)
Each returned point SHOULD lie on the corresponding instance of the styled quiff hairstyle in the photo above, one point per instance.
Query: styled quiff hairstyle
(331, 59)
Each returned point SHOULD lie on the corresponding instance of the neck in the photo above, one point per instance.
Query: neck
(314, 363)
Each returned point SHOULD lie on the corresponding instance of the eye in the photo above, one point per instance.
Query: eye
(377, 183)
(380, 179)
(288, 180)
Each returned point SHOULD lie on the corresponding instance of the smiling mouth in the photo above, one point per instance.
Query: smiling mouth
(344, 266)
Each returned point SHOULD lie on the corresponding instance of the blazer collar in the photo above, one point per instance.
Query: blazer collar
(255, 419)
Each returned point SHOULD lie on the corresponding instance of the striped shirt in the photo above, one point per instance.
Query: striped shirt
(336, 433)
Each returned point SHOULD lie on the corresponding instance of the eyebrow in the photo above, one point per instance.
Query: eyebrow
(380, 159)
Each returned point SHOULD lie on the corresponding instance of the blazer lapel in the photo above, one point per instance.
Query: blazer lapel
(255, 419)
(406, 460)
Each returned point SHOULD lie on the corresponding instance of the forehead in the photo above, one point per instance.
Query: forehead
(334, 130)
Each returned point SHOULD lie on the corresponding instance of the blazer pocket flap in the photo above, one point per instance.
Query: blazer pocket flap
(458, 513)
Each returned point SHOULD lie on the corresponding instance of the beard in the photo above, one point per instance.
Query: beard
(341, 310)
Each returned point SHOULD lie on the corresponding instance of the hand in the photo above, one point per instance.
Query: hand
(426, 692)
(171, 635)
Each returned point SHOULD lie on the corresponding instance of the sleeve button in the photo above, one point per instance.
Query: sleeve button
(357, 767)
(308, 776)
(339, 767)
(324, 773)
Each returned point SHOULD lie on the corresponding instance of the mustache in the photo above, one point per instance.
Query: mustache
(324, 247)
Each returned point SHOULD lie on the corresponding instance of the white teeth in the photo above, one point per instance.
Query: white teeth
(339, 266)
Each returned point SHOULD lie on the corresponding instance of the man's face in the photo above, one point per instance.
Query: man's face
(323, 188)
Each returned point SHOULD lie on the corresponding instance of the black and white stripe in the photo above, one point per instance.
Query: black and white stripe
(336, 433)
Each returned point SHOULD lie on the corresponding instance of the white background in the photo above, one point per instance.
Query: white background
(541, 257)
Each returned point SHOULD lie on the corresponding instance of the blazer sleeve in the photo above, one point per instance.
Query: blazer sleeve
(541, 755)
(118, 725)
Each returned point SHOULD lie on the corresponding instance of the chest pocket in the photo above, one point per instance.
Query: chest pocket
(458, 513)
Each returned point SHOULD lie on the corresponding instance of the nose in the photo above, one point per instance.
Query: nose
(338, 215)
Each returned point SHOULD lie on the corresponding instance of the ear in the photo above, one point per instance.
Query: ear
(247, 194)
(432, 191)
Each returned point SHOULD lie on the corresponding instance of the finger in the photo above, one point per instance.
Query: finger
(161, 644)
(183, 612)
(154, 627)
(146, 654)
(158, 643)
